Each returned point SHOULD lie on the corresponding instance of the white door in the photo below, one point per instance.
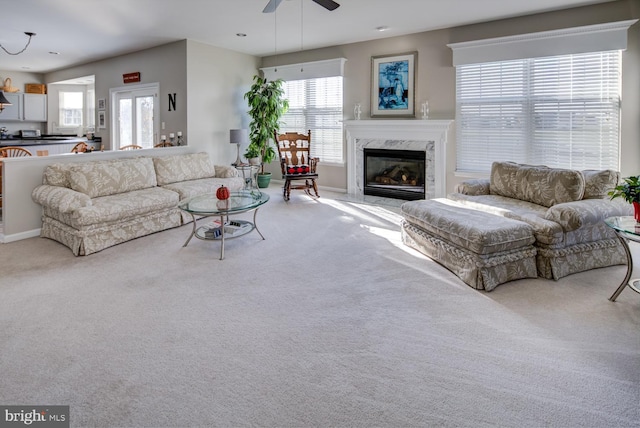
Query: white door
(135, 113)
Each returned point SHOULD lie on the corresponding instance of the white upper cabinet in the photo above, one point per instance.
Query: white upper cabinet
(35, 107)
(25, 107)
(14, 111)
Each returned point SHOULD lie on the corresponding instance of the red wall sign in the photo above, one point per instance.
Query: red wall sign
(131, 77)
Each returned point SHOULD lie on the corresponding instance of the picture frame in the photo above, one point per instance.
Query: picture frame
(102, 103)
(393, 85)
(102, 122)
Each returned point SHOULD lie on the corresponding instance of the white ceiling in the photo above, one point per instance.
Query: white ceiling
(88, 30)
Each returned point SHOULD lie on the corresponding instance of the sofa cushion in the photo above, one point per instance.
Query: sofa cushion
(546, 231)
(474, 230)
(57, 174)
(103, 178)
(537, 184)
(171, 169)
(120, 207)
(598, 182)
(188, 189)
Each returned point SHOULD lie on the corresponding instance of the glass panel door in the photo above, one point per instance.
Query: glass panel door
(135, 122)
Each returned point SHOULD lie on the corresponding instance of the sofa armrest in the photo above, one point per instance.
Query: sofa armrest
(225, 171)
(61, 199)
(474, 187)
(574, 215)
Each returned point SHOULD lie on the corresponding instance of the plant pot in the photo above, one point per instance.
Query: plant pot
(254, 161)
(264, 178)
(636, 211)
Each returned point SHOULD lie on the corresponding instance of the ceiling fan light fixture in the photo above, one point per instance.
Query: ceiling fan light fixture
(27, 33)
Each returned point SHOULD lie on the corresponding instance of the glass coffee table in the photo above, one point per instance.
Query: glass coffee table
(626, 228)
(208, 205)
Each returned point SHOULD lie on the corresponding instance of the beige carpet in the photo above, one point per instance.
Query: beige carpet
(329, 322)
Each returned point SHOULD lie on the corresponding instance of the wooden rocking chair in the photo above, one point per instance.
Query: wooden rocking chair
(294, 150)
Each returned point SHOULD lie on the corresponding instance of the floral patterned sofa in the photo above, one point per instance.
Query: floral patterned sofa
(563, 208)
(93, 205)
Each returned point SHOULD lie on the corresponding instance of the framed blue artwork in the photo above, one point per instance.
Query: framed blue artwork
(393, 85)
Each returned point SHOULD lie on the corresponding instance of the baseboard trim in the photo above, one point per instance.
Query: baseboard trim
(5, 239)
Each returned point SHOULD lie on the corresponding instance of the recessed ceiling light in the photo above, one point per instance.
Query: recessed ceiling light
(241, 35)
(382, 28)
(26, 68)
(54, 53)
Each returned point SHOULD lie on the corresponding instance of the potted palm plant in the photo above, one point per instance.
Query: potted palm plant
(266, 106)
(629, 190)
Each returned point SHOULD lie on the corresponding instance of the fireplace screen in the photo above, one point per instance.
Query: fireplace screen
(394, 173)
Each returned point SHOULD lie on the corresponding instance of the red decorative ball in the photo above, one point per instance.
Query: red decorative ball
(222, 193)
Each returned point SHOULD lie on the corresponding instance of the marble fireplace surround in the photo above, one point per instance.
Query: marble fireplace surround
(430, 136)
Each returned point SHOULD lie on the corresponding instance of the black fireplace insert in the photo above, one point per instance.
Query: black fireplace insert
(395, 174)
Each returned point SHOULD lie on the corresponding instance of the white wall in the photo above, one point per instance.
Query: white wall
(217, 80)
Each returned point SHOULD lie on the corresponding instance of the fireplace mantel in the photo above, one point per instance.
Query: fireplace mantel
(411, 133)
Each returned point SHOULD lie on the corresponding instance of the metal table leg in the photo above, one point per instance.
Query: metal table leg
(627, 281)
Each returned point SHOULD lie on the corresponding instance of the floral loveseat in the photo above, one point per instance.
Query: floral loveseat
(93, 205)
(563, 209)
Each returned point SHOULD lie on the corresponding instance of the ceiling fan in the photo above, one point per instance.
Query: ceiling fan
(327, 4)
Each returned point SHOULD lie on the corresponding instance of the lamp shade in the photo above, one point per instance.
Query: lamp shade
(238, 136)
(3, 100)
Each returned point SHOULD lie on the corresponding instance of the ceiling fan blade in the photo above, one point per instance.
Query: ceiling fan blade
(271, 6)
(327, 4)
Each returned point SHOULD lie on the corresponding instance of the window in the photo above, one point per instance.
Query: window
(551, 97)
(560, 111)
(316, 104)
(71, 107)
(314, 91)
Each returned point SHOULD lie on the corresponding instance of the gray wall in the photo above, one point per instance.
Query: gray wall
(435, 77)
(165, 64)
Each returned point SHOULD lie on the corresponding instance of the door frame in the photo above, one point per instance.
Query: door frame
(113, 105)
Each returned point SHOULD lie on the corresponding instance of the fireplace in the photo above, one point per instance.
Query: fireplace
(397, 174)
(428, 137)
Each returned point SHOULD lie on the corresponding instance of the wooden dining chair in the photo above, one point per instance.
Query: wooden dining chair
(81, 147)
(131, 147)
(164, 144)
(14, 152)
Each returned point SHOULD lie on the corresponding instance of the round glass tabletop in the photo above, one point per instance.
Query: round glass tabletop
(210, 205)
(625, 224)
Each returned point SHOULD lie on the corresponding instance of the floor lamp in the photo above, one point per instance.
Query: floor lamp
(237, 137)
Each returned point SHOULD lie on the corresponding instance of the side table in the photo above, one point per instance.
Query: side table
(249, 173)
(626, 228)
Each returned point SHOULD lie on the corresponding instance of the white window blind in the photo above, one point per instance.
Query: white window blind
(316, 104)
(561, 111)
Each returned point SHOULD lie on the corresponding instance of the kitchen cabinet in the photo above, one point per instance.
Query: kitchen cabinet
(14, 111)
(35, 107)
(25, 107)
